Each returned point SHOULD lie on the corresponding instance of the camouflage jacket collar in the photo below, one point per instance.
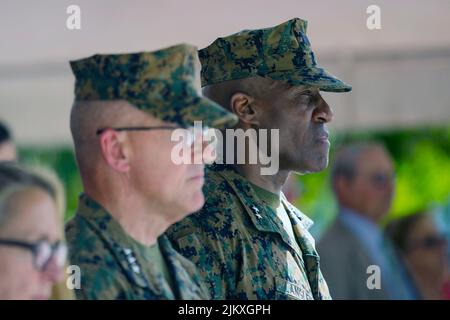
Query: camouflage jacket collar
(263, 217)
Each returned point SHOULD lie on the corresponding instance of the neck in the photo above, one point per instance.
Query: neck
(273, 183)
(140, 220)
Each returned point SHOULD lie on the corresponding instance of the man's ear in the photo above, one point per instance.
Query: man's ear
(243, 106)
(114, 150)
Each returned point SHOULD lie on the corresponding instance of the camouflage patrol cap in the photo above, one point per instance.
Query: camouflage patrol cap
(281, 53)
(164, 83)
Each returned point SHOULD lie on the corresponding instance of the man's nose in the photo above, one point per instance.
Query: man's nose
(323, 112)
(53, 272)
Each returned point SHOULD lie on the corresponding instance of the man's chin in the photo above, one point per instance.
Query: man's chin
(194, 204)
(312, 167)
(197, 202)
(321, 163)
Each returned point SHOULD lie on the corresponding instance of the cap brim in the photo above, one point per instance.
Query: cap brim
(210, 113)
(315, 77)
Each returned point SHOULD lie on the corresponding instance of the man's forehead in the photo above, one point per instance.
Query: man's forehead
(374, 159)
(303, 87)
(286, 85)
(297, 89)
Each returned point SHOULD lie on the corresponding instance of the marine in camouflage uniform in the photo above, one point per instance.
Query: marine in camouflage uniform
(113, 264)
(238, 241)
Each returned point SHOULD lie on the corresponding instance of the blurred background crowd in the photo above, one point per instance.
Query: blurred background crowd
(384, 199)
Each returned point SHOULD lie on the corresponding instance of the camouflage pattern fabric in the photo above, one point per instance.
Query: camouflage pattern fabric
(281, 53)
(241, 248)
(114, 267)
(164, 83)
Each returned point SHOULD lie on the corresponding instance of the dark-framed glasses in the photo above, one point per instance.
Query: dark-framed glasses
(42, 250)
(190, 134)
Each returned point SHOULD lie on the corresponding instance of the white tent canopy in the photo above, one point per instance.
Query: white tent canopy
(400, 74)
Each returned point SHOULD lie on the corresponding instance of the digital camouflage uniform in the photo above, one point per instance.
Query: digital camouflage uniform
(113, 265)
(241, 247)
(280, 53)
(238, 243)
(162, 83)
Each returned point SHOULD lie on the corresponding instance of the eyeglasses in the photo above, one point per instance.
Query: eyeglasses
(101, 130)
(429, 242)
(382, 179)
(43, 251)
(191, 134)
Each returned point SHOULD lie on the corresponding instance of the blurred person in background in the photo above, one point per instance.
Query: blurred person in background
(32, 250)
(362, 177)
(423, 248)
(60, 290)
(7, 147)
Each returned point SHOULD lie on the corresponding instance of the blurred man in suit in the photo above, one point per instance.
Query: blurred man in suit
(363, 181)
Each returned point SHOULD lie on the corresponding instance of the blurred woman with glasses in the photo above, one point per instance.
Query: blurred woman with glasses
(32, 250)
(424, 251)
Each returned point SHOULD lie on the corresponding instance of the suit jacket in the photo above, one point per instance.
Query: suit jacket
(344, 263)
